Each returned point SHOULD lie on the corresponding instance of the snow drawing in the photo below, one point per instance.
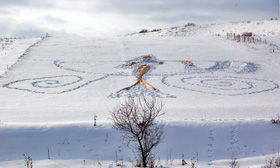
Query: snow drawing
(151, 63)
(201, 76)
(51, 85)
(221, 85)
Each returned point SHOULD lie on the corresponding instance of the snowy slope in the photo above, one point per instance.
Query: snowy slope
(11, 49)
(92, 76)
(219, 107)
(259, 28)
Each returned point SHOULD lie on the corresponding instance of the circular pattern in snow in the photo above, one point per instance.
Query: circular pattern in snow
(220, 85)
(51, 85)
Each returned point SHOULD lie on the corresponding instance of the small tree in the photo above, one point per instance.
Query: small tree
(135, 119)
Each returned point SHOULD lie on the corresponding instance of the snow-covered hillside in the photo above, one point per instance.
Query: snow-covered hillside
(259, 28)
(217, 108)
(12, 49)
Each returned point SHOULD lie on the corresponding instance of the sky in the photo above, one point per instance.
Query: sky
(90, 18)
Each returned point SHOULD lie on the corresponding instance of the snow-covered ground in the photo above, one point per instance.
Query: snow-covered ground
(12, 49)
(259, 28)
(220, 107)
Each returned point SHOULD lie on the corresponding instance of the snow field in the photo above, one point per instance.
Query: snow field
(220, 106)
(69, 144)
(12, 49)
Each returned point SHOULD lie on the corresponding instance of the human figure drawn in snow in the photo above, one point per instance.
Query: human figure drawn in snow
(145, 64)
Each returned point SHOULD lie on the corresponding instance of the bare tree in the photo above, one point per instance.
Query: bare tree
(135, 118)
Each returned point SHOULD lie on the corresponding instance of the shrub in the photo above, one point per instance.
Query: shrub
(190, 24)
(143, 31)
(273, 162)
(155, 30)
(247, 34)
(233, 162)
(275, 120)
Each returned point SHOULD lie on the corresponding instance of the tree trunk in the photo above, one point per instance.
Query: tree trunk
(142, 153)
(144, 160)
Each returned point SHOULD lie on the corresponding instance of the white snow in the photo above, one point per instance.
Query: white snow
(259, 28)
(220, 107)
(13, 48)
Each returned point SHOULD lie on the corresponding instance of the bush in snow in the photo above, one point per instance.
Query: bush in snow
(143, 31)
(247, 34)
(155, 30)
(234, 162)
(275, 120)
(273, 162)
(190, 24)
(28, 161)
